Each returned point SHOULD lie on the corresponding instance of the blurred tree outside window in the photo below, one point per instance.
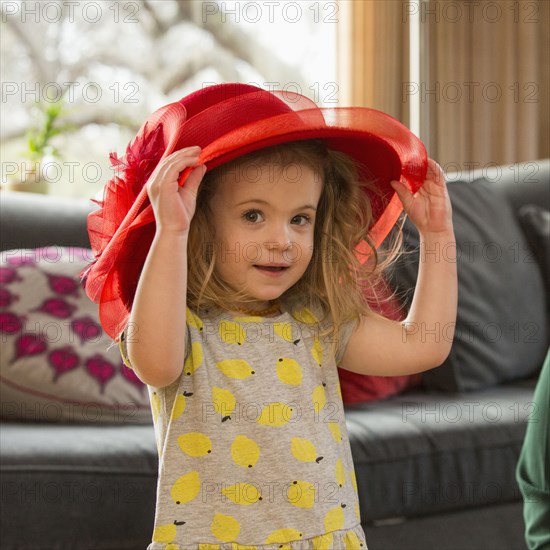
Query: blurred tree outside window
(104, 66)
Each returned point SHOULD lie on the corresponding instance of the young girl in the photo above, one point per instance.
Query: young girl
(250, 295)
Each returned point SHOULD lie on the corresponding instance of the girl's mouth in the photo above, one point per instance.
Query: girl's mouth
(271, 269)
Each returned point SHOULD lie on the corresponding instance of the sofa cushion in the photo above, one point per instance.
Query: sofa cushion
(56, 363)
(501, 329)
(77, 486)
(358, 388)
(429, 453)
(535, 222)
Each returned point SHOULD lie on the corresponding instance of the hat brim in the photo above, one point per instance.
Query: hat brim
(383, 149)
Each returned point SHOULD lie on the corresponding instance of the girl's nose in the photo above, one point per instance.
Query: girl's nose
(278, 238)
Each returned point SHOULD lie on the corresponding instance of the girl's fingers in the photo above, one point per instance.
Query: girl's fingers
(405, 196)
(435, 172)
(194, 179)
(171, 166)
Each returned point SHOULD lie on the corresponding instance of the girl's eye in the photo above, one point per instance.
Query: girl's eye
(252, 216)
(302, 219)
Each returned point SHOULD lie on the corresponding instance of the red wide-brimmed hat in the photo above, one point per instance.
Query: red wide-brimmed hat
(227, 121)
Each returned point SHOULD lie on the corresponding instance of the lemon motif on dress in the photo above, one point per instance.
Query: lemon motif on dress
(317, 351)
(242, 493)
(334, 428)
(232, 333)
(334, 519)
(286, 534)
(319, 398)
(193, 320)
(195, 444)
(353, 479)
(225, 528)
(323, 542)
(275, 414)
(305, 315)
(166, 533)
(224, 402)
(155, 405)
(284, 331)
(235, 368)
(352, 541)
(340, 473)
(180, 404)
(301, 494)
(186, 488)
(289, 371)
(194, 359)
(245, 451)
(304, 450)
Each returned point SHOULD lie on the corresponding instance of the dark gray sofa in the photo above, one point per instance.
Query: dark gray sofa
(435, 470)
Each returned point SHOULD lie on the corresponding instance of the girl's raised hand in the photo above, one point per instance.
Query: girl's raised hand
(174, 206)
(430, 208)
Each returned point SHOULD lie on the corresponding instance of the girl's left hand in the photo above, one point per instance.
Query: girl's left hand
(430, 207)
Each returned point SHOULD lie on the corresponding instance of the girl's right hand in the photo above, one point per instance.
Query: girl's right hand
(174, 206)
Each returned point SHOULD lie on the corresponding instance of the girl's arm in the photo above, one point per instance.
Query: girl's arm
(423, 340)
(156, 339)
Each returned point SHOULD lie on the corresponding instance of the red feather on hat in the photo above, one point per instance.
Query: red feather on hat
(136, 166)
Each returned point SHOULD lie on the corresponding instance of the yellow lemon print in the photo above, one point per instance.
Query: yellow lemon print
(305, 315)
(179, 405)
(249, 319)
(224, 402)
(172, 547)
(236, 546)
(225, 528)
(352, 541)
(286, 534)
(275, 414)
(207, 546)
(340, 473)
(242, 493)
(353, 480)
(193, 321)
(166, 533)
(357, 511)
(232, 333)
(317, 351)
(235, 368)
(284, 331)
(244, 451)
(195, 444)
(334, 519)
(155, 405)
(301, 494)
(334, 428)
(339, 388)
(319, 398)
(194, 359)
(289, 371)
(304, 450)
(186, 488)
(323, 542)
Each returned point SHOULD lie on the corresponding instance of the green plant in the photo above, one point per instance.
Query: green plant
(47, 127)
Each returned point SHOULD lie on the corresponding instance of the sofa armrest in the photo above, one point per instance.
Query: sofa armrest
(29, 220)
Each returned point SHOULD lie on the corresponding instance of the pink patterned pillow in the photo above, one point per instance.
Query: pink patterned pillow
(56, 364)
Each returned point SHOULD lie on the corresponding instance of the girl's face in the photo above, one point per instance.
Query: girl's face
(264, 218)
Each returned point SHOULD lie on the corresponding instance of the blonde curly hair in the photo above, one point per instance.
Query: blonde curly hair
(336, 279)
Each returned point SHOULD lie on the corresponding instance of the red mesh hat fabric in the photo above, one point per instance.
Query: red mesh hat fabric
(228, 121)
